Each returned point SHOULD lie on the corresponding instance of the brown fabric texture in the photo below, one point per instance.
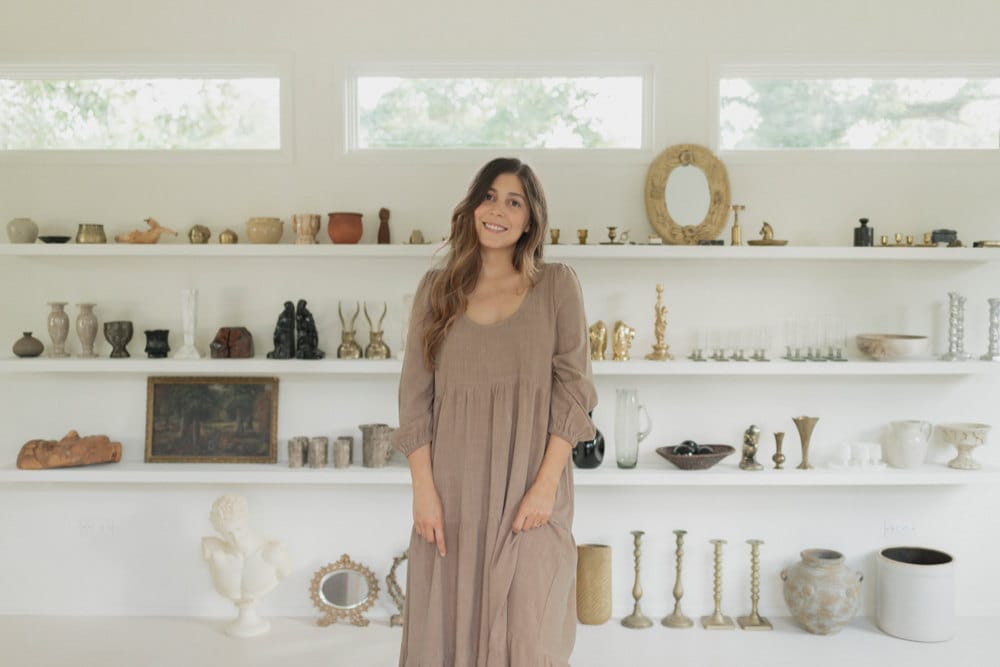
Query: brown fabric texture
(497, 599)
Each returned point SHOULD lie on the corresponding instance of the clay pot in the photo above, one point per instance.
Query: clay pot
(264, 230)
(345, 227)
(26, 346)
(822, 594)
(22, 230)
(593, 583)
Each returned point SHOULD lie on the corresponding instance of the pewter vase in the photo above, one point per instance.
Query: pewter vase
(822, 594)
(86, 329)
(58, 328)
(376, 449)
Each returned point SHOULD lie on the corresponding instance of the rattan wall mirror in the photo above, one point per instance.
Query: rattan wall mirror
(343, 590)
(687, 156)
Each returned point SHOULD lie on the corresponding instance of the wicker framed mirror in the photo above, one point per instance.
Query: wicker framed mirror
(343, 590)
(687, 156)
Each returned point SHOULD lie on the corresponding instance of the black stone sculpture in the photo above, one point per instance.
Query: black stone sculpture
(284, 334)
(308, 337)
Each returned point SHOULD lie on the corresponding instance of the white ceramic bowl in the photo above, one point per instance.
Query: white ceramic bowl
(893, 347)
(264, 230)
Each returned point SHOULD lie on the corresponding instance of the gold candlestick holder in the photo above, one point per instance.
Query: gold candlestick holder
(717, 621)
(778, 457)
(754, 621)
(676, 618)
(661, 351)
(637, 620)
(736, 233)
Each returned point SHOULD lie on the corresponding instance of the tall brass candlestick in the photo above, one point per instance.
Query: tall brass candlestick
(717, 621)
(754, 621)
(636, 620)
(677, 619)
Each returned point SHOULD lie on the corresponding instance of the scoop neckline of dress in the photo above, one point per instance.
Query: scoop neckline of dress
(520, 307)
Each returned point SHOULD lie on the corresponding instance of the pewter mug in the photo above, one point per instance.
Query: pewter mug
(376, 450)
(627, 432)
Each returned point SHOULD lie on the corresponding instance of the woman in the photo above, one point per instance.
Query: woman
(495, 389)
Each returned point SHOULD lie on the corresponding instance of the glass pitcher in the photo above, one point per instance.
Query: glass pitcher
(627, 433)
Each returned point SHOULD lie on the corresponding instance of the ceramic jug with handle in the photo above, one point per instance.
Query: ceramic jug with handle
(906, 446)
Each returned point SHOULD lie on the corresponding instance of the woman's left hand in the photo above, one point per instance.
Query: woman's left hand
(535, 509)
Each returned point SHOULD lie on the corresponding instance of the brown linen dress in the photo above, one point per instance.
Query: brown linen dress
(497, 599)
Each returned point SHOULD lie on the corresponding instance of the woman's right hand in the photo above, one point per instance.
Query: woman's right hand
(428, 515)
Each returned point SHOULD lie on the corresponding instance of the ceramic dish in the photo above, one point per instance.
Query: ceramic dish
(696, 461)
(893, 347)
(54, 239)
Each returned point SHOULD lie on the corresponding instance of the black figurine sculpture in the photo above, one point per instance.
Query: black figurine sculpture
(308, 337)
(284, 334)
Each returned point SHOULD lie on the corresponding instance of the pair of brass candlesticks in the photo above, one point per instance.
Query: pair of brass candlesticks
(623, 335)
(716, 620)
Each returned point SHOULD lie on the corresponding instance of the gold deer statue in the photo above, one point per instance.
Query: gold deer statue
(348, 348)
(376, 349)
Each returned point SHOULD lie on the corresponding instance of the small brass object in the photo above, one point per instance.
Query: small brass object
(611, 235)
(899, 239)
(661, 351)
(909, 239)
(395, 592)
(622, 341)
(717, 621)
(636, 620)
(348, 349)
(805, 426)
(676, 618)
(416, 237)
(778, 457)
(884, 240)
(750, 439)
(754, 621)
(554, 235)
(581, 235)
(736, 235)
(598, 334)
(228, 236)
(90, 233)
(767, 236)
(928, 239)
(199, 234)
(376, 348)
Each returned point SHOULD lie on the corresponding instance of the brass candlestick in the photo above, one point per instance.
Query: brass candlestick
(778, 457)
(736, 237)
(805, 425)
(754, 621)
(676, 619)
(661, 351)
(717, 621)
(636, 620)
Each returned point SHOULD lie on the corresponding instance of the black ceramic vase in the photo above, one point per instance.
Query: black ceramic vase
(589, 453)
(156, 343)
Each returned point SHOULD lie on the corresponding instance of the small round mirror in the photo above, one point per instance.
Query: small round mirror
(344, 589)
(687, 195)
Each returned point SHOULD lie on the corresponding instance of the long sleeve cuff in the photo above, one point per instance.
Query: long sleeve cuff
(412, 436)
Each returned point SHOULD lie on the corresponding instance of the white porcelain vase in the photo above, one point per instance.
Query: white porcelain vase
(916, 593)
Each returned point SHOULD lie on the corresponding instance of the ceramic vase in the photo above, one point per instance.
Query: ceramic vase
(593, 583)
(118, 334)
(86, 329)
(345, 227)
(28, 346)
(916, 593)
(157, 346)
(589, 453)
(822, 594)
(22, 230)
(906, 446)
(305, 226)
(58, 328)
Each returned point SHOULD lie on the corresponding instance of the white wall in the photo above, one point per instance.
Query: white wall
(134, 550)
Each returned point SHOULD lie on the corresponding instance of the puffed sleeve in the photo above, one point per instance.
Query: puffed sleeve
(573, 393)
(416, 383)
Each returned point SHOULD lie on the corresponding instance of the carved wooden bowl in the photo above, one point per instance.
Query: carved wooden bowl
(696, 461)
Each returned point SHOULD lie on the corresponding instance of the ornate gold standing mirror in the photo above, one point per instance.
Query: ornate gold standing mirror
(697, 186)
(343, 590)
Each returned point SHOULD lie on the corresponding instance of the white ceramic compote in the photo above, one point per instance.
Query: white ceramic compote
(965, 437)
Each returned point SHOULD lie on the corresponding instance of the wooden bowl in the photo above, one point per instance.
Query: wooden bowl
(696, 461)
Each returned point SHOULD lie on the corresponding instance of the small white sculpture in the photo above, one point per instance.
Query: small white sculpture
(243, 565)
(189, 314)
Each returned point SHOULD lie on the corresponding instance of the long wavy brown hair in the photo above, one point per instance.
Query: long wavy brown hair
(458, 276)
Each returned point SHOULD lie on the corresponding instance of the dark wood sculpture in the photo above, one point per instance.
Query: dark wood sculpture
(308, 337)
(284, 334)
(232, 343)
(69, 452)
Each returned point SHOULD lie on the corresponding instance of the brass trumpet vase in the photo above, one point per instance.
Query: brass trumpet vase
(805, 426)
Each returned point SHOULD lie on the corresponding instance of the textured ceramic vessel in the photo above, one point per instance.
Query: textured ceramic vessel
(86, 329)
(893, 347)
(90, 233)
(965, 437)
(28, 346)
(376, 449)
(157, 345)
(118, 334)
(593, 583)
(345, 227)
(58, 328)
(916, 593)
(264, 230)
(906, 444)
(22, 230)
(306, 226)
(822, 594)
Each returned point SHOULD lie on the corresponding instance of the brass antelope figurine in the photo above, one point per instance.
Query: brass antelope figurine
(348, 348)
(377, 349)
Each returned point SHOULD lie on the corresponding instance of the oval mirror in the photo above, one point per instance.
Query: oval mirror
(687, 195)
(345, 589)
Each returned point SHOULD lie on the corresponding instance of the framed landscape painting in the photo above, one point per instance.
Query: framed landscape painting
(211, 420)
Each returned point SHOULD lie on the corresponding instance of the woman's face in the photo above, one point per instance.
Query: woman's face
(503, 216)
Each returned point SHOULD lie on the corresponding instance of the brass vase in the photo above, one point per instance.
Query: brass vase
(805, 425)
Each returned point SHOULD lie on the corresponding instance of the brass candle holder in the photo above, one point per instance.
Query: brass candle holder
(637, 620)
(676, 618)
(754, 621)
(717, 621)
(736, 233)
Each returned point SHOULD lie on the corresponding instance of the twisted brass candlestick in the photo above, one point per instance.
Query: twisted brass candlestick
(754, 621)
(717, 621)
(677, 619)
(636, 620)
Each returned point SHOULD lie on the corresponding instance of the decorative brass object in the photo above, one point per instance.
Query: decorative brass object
(767, 236)
(622, 341)
(598, 334)
(754, 621)
(717, 621)
(581, 235)
(899, 239)
(348, 348)
(376, 348)
(778, 458)
(884, 240)
(612, 235)
(736, 234)
(676, 618)
(687, 155)
(90, 233)
(909, 239)
(554, 235)
(661, 351)
(636, 620)
(199, 234)
(805, 426)
(416, 237)
(338, 597)
(750, 439)
(395, 592)
(228, 236)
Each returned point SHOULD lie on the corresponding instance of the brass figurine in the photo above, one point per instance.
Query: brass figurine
(611, 235)
(395, 592)
(750, 439)
(736, 236)
(661, 351)
(199, 234)
(767, 236)
(228, 236)
(778, 458)
(554, 235)
(598, 334)
(676, 618)
(636, 620)
(717, 621)
(376, 349)
(754, 621)
(348, 348)
(622, 341)
(884, 240)
(805, 426)
(581, 235)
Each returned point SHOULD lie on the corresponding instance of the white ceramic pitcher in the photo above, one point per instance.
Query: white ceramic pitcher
(627, 432)
(906, 446)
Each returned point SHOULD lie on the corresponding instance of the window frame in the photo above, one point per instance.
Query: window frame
(151, 67)
(454, 69)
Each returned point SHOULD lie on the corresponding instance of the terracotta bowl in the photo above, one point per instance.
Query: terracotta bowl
(893, 347)
(696, 461)
(264, 230)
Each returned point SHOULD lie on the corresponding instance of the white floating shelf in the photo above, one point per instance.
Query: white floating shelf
(655, 474)
(556, 252)
(288, 367)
